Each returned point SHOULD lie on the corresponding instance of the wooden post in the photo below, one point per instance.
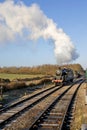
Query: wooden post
(1, 92)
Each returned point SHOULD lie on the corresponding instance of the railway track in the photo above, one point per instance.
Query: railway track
(15, 109)
(24, 99)
(43, 116)
(54, 116)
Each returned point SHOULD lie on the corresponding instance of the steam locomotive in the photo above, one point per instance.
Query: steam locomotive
(63, 76)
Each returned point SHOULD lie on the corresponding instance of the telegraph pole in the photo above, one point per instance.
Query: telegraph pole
(86, 87)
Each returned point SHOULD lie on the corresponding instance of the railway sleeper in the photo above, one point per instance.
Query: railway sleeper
(49, 125)
(55, 117)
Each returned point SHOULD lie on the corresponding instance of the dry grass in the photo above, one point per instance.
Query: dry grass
(21, 84)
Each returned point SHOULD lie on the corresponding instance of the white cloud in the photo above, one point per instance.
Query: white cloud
(15, 18)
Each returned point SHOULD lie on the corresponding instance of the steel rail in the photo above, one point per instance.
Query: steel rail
(35, 124)
(15, 115)
(62, 127)
(23, 100)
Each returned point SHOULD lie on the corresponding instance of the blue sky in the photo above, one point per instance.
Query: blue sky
(69, 15)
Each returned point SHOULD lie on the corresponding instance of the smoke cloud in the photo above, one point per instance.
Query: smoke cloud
(32, 23)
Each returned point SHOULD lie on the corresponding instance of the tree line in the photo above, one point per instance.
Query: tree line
(46, 69)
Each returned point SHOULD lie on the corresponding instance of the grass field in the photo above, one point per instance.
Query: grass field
(19, 76)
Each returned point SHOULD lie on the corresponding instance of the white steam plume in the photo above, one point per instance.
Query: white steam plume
(15, 19)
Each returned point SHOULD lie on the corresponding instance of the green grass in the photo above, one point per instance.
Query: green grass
(19, 76)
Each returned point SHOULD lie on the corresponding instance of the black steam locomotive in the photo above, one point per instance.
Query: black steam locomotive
(63, 76)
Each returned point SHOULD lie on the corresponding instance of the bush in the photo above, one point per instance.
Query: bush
(15, 85)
